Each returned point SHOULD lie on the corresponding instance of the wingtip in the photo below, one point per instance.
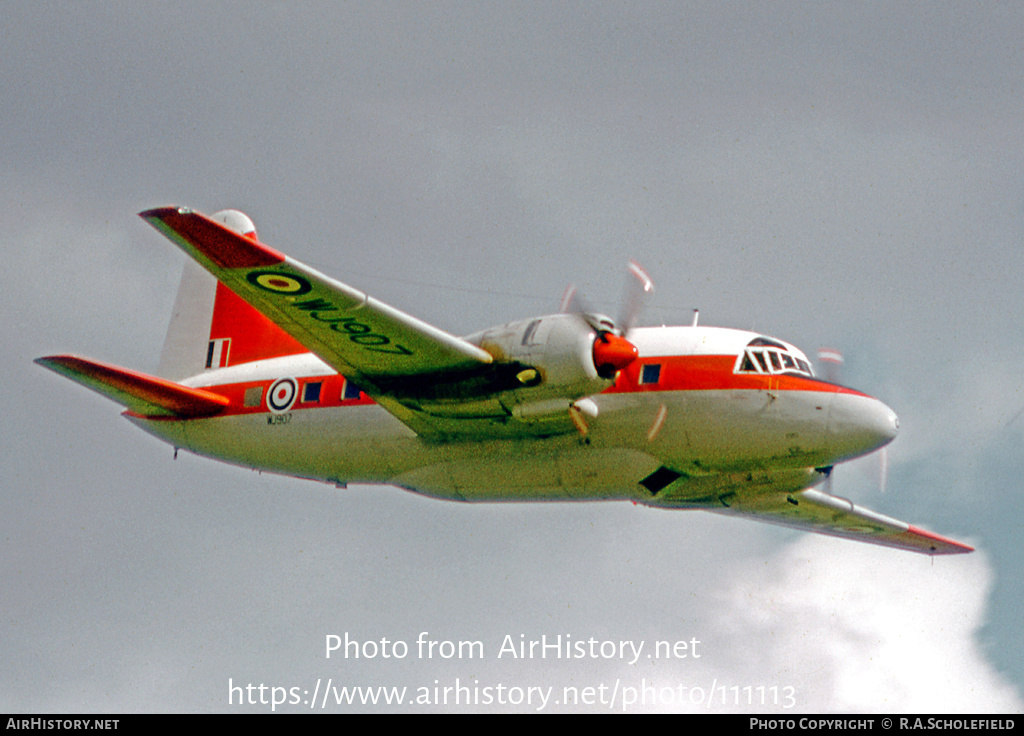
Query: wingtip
(56, 362)
(198, 234)
(942, 545)
(158, 212)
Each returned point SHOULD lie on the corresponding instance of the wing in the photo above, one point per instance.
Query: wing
(380, 348)
(355, 333)
(816, 511)
(140, 393)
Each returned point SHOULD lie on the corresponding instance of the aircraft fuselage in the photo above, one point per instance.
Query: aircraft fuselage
(683, 406)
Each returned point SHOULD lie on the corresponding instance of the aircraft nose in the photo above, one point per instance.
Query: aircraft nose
(859, 424)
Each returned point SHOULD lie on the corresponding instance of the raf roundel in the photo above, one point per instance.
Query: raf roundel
(282, 395)
(280, 283)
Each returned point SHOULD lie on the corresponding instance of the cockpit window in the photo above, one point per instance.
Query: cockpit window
(765, 356)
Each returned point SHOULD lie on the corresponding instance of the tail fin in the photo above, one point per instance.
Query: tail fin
(211, 327)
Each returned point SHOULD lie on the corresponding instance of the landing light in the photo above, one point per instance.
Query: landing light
(528, 376)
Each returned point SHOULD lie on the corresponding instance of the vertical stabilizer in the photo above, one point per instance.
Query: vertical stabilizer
(188, 334)
(211, 327)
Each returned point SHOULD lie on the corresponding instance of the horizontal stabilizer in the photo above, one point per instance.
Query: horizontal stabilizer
(140, 393)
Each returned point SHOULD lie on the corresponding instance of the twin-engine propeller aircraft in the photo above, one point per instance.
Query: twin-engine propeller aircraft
(277, 367)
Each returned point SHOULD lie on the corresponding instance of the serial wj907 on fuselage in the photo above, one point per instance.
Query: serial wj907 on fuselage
(274, 366)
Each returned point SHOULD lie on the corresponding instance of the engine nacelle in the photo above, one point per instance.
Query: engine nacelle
(558, 358)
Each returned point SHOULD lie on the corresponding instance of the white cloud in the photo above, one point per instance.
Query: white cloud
(856, 628)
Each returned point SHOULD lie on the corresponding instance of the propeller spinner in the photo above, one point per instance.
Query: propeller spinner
(613, 351)
(612, 354)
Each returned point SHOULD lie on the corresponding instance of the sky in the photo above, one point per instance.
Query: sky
(831, 174)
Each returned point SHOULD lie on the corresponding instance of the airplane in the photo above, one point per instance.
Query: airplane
(271, 365)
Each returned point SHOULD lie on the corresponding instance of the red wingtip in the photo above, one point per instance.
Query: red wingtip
(223, 246)
(944, 545)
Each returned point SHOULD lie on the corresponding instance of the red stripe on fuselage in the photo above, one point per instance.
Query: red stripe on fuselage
(678, 373)
(330, 395)
(714, 373)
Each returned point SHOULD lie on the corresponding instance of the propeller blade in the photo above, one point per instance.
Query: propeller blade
(579, 411)
(572, 302)
(612, 351)
(568, 303)
(883, 468)
(638, 285)
(831, 368)
(832, 362)
(826, 485)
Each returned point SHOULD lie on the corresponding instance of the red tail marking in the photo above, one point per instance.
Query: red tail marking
(253, 336)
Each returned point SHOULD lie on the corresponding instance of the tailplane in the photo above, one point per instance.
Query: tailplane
(141, 394)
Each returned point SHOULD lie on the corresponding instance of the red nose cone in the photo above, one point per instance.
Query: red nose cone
(613, 353)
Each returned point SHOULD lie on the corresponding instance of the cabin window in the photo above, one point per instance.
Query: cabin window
(351, 391)
(770, 357)
(650, 373)
(311, 392)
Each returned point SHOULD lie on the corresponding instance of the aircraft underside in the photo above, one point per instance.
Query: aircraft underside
(658, 449)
